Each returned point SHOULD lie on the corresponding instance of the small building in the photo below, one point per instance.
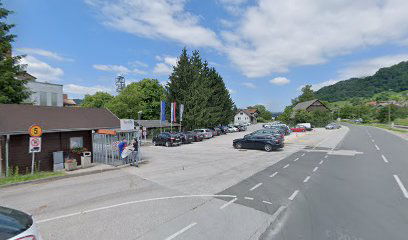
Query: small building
(246, 116)
(68, 102)
(63, 130)
(311, 105)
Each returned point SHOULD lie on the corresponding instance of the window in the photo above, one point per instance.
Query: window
(43, 98)
(239, 118)
(241, 113)
(54, 99)
(75, 142)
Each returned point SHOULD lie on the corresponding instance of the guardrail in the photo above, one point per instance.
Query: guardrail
(401, 126)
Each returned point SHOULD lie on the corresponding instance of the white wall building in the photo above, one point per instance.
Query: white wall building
(45, 94)
(242, 117)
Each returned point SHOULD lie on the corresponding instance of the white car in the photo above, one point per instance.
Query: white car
(233, 129)
(207, 133)
(16, 225)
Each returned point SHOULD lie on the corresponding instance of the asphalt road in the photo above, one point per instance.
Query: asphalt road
(356, 191)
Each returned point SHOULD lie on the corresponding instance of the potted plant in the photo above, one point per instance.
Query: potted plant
(70, 164)
(76, 153)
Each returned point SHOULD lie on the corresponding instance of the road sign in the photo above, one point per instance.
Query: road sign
(35, 145)
(35, 131)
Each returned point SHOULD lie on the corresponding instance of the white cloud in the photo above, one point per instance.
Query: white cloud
(138, 64)
(82, 90)
(117, 69)
(249, 85)
(275, 35)
(231, 91)
(44, 53)
(164, 19)
(233, 6)
(363, 68)
(163, 69)
(280, 81)
(41, 70)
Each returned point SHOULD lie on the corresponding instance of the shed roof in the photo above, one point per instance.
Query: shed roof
(306, 104)
(17, 118)
(155, 123)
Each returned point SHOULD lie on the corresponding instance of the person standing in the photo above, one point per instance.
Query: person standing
(121, 146)
(135, 152)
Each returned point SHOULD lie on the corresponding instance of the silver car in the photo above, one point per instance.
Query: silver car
(17, 225)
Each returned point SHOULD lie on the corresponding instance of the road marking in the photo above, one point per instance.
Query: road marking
(377, 147)
(315, 169)
(181, 231)
(249, 198)
(303, 154)
(296, 159)
(306, 179)
(274, 174)
(267, 202)
(326, 156)
(287, 165)
(403, 189)
(321, 161)
(228, 203)
(293, 195)
(255, 187)
(384, 158)
(128, 203)
(372, 140)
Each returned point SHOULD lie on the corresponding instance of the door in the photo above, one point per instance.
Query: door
(249, 142)
(259, 142)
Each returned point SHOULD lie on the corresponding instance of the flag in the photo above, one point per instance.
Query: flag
(181, 112)
(171, 112)
(163, 111)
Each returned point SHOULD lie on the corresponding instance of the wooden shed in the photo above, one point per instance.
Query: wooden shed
(63, 129)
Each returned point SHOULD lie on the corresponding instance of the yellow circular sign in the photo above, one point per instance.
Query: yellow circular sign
(35, 131)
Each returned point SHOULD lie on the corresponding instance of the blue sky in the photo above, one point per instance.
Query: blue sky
(266, 50)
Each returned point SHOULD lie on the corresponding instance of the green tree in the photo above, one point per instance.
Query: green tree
(307, 94)
(98, 100)
(263, 112)
(144, 96)
(384, 112)
(12, 90)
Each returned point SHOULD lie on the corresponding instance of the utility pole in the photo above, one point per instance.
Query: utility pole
(120, 83)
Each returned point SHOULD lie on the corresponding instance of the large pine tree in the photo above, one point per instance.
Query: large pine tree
(202, 90)
(12, 90)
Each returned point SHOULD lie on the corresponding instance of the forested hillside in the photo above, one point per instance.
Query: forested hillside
(393, 78)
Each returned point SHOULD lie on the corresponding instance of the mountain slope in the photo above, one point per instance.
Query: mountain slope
(394, 77)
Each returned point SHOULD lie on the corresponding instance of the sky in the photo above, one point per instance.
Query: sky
(265, 50)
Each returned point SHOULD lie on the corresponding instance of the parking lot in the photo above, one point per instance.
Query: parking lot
(173, 190)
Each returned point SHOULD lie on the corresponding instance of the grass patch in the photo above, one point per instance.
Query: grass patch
(401, 121)
(379, 125)
(29, 177)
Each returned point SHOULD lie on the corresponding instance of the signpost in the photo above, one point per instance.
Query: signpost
(35, 132)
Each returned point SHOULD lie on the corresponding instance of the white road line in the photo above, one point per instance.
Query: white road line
(315, 169)
(403, 189)
(267, 202)
(274, 174)
(303, 154)
(372, 140)
(181, 231)
(293, 195)
(249, 198)
(320, 163)
(228, 203)
(384, 158)
(296, 159)
(326, 156)
(255, 187)
(306, 179)
(128, 203)
(287, 165)
(377, 147)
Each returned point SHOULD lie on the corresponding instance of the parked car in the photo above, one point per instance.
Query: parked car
(308, 126)
(283, 127)
(298, 128)
(216, 131)
(224, 129)
(186, 137)
(232, 129)
(333, 126)
(279, 133)
(206, 132)
(197, 137)
(17, 225)
(167, 139)
(241, 128)
(263, 142)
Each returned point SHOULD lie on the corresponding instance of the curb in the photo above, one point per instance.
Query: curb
(49, 179)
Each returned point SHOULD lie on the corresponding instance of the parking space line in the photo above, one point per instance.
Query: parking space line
(274, 174)
(255, 187)
(377, 147)
(293, 195)
(384, 158)
(296, 159)
(326, 156)
(228, 203)
(287, 165)
(267, 202)
(303, 154)
(321, 161)
(249, 198)
(315, 169)
(401, 186)
(181, 231)
(306, 179)
(372, 140)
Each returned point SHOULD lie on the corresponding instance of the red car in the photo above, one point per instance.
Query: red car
(298, 128)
